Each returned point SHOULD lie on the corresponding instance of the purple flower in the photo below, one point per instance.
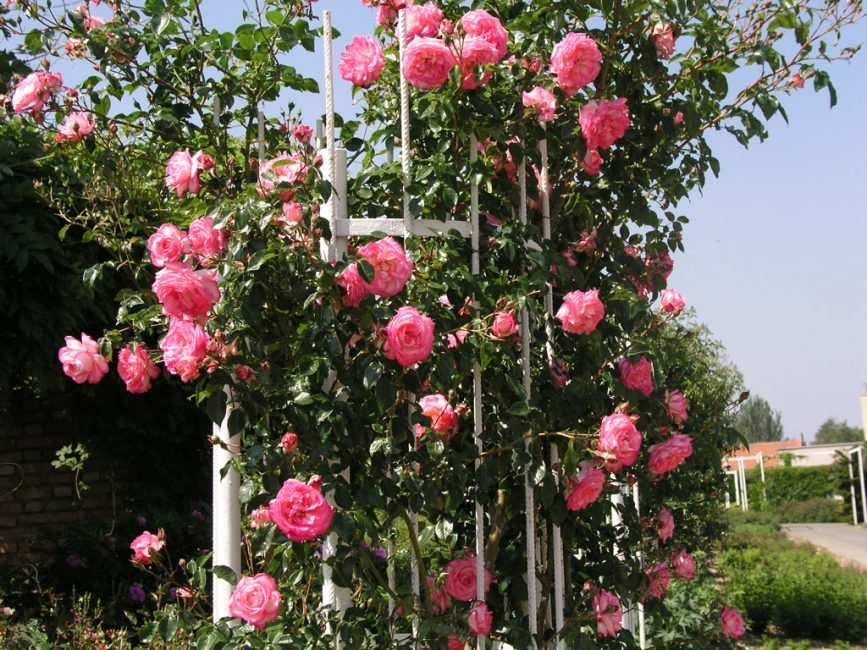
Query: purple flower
(136, 593)
(75, 561)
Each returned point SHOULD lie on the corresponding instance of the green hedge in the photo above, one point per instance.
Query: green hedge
(785, 484)
(801, 592)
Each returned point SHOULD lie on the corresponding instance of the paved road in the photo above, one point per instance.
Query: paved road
(845, 542)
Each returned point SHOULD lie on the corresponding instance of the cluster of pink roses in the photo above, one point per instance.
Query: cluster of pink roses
(392, 269)
(183, 169)
(147, 546)
(460, 584)
(34, 90)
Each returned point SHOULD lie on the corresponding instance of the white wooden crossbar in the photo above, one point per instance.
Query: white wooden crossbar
(397, 228)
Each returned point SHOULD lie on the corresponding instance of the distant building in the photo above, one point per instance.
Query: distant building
(773, 453)
(770, 452)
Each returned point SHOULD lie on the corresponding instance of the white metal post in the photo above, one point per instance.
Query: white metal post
(760, 459)
(852, 490)
(863, 488)
(226, 511)
(745, 500)
(642, 624)
(616, 520)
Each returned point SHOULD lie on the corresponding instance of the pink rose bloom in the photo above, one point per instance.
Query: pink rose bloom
(663, 40)
(184, 349)
(300, 511)
(455, 643)
(292, 212)
(668, 454)
(184, 293)
(392, 268)
(136, 369)
(444, 420)
(475, 52)
(619, 441)
(731, 623)
(456, 339)
(559, 372)
(167, 244)
(684, 565)
(592, 162)
(440, 598)
(354, 286)
(576, 60)
(426, 63)
(543, 101)
(480, 24)
(672, 301)
(480, 619)
(504, 325)
(797, 81)
(581, 311)
(637, 377)
(664, 525)
(260, 517)
(145, 544)
(182, 172)
(302, 133)
(461, 579)
(585, 487)
(409, 337)
(678, 118)
(206, 241)
(362, 61)
(662, 264)
(288, 441)
(76, 126)
(659, 576)
(82, 361)
(604, 122)
(281, 170)
(609, 613)
(677, 406)
(256, 600)
(423, 20)
(33, 91)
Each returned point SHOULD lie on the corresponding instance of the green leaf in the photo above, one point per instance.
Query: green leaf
(237, 421)
(225, 573)
(519, 408)
(366, 270)
(372, 374)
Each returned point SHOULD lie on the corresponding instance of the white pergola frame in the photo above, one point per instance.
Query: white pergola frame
(857, 450)
(226, 509)
(741, 496)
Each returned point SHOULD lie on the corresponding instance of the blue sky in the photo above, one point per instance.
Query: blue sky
(776, 251)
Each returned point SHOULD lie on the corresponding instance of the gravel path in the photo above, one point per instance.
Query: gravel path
(847, 543)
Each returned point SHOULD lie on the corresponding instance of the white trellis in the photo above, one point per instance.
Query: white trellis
(740, 476)
(342, 227)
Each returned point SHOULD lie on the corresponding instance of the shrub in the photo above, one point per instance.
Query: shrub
(784, 484)
(802, 592)
(811, 511)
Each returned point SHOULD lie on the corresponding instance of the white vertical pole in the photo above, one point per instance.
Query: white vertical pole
(260, 119)
(852, 490)
(863, 488)
(406, 168)
(226, 511)
(529, 497)
(477, 389)
(334, 161)
(559, 576)
(742, 475)
(760, 459)
(642, 629)
(616, 522)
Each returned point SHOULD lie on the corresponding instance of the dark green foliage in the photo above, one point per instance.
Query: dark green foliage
(817, 510)
(784, 484)
(832, 431)
(758, 422)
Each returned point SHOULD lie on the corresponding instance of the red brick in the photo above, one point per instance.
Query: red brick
(45, 519)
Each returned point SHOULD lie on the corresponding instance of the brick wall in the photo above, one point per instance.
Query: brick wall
(45, 496)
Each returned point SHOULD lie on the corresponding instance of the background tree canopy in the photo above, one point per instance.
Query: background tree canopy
(758, 422)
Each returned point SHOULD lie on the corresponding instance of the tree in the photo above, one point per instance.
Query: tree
(758, 422)
(832, 431)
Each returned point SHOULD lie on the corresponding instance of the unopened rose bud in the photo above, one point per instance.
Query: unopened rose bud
(315, 481)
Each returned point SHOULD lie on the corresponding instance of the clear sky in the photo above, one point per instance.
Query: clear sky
(776, 251)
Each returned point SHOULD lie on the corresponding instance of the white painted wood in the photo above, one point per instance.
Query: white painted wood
(226, 511)
(396, 227)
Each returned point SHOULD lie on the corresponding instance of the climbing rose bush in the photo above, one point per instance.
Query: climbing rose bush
(581, 129)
